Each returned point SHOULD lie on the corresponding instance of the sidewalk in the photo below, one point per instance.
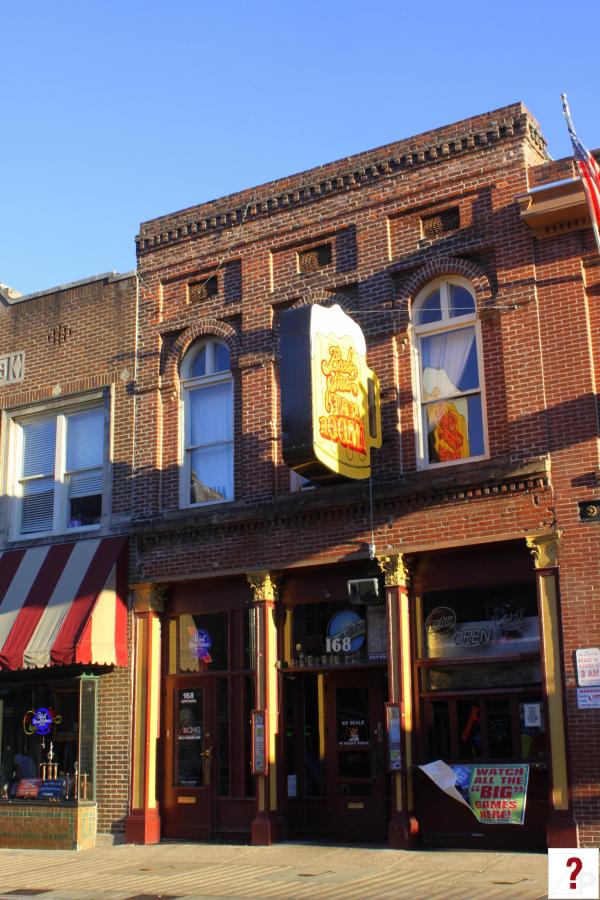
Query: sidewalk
(290, 871)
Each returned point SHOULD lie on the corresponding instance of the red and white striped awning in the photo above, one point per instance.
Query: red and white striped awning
(64, 604)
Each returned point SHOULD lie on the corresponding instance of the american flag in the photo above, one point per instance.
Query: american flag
(589, 171)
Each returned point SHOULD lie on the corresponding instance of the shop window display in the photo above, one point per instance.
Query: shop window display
(48, 740)
(338, 633)
(203, 642)
(480, 674)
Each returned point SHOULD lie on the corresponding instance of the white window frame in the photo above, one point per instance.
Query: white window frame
(13, 455)
(188, 386)
(445, 324)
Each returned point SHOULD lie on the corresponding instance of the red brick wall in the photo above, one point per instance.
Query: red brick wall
(114, 751)
(540, 326)
(568, 341)
(95, 321)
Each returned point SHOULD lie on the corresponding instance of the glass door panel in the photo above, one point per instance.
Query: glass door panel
(189, 747)
(353, 731)
(187, 801)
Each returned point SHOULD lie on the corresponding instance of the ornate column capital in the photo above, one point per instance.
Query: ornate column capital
(264, 586)
(149, 598)
(544, 549)
(396, 569)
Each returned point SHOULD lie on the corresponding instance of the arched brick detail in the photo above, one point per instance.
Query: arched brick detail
(204, 328)
(446, 266)
(320, 295)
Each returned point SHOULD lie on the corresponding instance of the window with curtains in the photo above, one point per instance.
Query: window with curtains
(448, 374)
(207, 399)
(59, 461)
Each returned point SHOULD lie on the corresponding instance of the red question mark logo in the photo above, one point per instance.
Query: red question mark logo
(577, 867)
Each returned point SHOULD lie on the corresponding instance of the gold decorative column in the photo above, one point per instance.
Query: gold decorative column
(143, 821)
(403, 826)
(561, 828)
(267, 824)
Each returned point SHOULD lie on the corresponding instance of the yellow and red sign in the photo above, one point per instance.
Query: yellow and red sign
(448, 430)
(345, 425)
(330, 397)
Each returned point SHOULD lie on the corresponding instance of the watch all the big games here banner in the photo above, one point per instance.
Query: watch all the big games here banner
(496, 795)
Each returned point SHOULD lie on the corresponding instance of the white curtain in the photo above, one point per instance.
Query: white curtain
(211, 473)
(210, 411)
(210, 431)
(444, 357)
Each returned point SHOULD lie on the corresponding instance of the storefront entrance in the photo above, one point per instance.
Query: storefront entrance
(354, 758)
(335, 764)
(187, 810)
(208, 691)
(481, 701)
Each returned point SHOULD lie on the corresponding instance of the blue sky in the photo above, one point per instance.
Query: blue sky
(117, 111)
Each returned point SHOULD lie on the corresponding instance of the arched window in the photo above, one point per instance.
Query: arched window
(207, 398)
(448, 374)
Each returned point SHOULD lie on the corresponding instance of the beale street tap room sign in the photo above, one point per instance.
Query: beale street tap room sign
(331, 416)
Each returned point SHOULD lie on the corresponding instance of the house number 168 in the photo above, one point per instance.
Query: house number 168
(334, 645)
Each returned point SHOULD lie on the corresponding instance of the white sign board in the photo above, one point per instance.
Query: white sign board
(532, 713)
(588, 698)
(588, 666)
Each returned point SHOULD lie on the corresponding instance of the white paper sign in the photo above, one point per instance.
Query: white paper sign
(588, 666)
(532, 715)
(588, 698)
(572, 873)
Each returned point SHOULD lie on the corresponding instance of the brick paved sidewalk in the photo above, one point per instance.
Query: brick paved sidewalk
(290, 871)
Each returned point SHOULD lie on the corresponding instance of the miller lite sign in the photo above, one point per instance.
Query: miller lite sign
(331, 416)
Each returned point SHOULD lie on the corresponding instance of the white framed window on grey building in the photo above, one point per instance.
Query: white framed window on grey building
(57, 470)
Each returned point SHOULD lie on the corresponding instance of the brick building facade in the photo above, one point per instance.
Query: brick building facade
(67, 441)
(298, 650)
(233, 552)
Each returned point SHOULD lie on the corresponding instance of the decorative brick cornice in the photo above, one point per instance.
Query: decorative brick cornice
(446, 266)
(431, 148)
(479, 482)
(202, 328)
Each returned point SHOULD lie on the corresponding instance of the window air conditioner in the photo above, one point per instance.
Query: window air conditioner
(363, 591)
